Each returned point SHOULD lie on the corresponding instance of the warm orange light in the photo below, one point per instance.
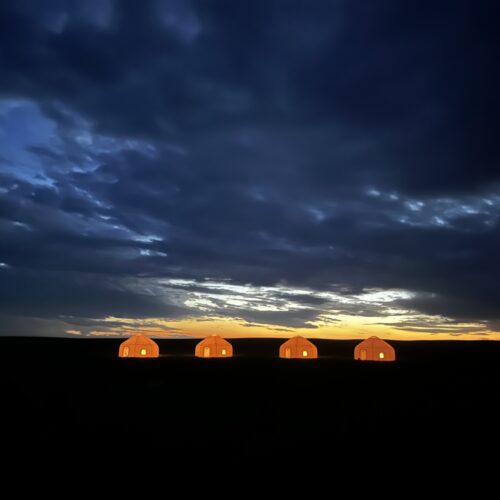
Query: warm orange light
(374, 349)
(213, 347)
(298, 347)
(139, 346)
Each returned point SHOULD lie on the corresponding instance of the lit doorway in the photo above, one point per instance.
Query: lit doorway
(206, 352)
(288, 353)
(363, 355)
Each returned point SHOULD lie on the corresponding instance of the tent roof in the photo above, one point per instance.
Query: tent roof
(298, 340)
(139, 339)
(214, 339)
(374, 340)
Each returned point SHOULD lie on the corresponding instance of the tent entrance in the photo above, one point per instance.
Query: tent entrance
(206, 352)
(288, 353)
(363, 355)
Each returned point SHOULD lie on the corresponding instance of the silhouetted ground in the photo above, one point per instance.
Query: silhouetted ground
(77, 401)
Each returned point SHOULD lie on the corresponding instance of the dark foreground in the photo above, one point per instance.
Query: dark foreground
(76, 401)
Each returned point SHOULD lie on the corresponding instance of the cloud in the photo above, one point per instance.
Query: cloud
(331, 147)
(73, 332)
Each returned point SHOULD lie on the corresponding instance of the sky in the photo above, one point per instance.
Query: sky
(258, 168)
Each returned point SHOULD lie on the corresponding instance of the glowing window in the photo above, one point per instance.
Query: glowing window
(224, 352)
(143, 352)
(304, 354)
(206, 352)
(125, 352)
(381, 355)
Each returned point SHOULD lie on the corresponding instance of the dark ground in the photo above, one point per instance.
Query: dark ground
(77, 401)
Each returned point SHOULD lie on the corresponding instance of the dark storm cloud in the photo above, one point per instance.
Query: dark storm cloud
(433, 329)
(45, 295)
(321, 145)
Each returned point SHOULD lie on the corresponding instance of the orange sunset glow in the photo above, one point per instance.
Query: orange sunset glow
(234, 328)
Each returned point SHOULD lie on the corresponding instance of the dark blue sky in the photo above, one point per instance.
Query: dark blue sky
(276, 164)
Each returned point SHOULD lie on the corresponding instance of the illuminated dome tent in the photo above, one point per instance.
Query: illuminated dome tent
(139, 346)
(213, 347)
(374, 349)
(298, 347)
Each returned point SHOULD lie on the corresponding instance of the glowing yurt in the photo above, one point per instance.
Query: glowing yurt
(299, 348)
(139, 346)
(374, 349)
(213, 347)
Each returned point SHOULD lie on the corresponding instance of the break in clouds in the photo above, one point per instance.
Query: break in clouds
(285, 164)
